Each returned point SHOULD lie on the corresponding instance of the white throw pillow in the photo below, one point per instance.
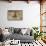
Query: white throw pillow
(23, 30)
(5, 32)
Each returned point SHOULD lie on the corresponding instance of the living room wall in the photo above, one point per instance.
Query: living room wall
(31, 14)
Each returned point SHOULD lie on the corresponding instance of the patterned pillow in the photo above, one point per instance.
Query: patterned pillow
(11, 29)
(17, 30)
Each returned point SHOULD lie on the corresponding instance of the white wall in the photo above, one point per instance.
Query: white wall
(31, 14)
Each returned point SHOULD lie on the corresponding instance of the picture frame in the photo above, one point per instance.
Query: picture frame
(15, 15)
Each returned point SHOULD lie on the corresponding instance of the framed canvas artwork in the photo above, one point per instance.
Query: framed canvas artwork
(15, 15)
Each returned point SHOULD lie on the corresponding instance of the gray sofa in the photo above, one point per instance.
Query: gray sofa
(17, 35)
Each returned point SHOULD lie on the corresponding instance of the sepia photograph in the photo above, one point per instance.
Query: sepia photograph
(15, 15)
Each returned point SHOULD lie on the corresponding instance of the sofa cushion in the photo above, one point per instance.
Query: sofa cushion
(20, 37)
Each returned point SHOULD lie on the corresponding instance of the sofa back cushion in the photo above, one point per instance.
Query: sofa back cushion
(22, 31)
